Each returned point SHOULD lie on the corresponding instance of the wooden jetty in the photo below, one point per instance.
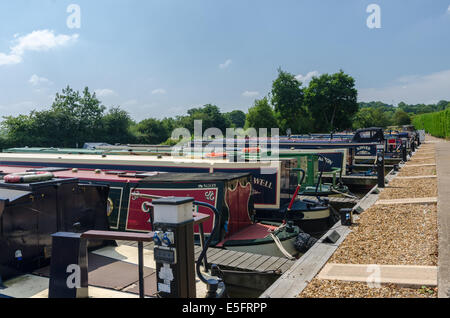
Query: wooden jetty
(243, 270)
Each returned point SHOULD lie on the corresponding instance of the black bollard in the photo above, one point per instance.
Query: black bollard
(404, 153)
(68, 268)
(346, 217)
(380, 169)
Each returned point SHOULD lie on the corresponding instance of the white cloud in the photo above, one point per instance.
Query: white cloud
(250, 94)
(36, 80)
(37, 41)
(41, 40)
(448, 10)
(159, 91)
(10, 59)
(414, 89)
(226, 64)
(105, 92)
(307, 78)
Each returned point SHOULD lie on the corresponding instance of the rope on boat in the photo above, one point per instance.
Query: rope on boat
(344, 194)
(281, 248)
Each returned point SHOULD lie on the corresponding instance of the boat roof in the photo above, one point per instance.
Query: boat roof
(67, 159)
(121, 176)
(53, 150)
(187, 177)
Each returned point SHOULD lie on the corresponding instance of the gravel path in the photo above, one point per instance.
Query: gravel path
(417, 171)
(338, 289)
(392, 235)
(414, 188)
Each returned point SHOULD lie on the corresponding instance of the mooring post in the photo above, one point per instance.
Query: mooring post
(380, 169)
(404, 154)
(346, 218)
(141, 268)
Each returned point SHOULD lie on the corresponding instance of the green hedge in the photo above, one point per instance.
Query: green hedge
(437, 124)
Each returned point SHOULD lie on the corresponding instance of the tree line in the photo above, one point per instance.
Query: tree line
(328, 103)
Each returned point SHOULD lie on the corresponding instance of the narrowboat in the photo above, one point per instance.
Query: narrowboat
(33, 208)
(271, 180)
(130, 206)
(267, 176)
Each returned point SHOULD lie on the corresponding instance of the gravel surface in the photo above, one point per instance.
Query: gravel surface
(417, 171)
(338, 289)
(413, 188)
(392, 235)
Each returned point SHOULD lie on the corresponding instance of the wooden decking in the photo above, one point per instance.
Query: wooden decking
(233, 260)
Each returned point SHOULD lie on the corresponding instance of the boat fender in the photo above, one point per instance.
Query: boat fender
(304, 242)
(28, 177)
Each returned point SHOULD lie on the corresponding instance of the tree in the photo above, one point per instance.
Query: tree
(332, 101)
(116, 126)
(371, 117)
(261, 115)
(152, 131)
(236, 118)
(210, 116)
(287, 99)
(78, 117)
(401, 118)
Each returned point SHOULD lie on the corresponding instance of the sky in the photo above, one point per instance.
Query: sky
(159, 58)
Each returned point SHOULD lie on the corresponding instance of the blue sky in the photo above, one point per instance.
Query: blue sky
(160, 58)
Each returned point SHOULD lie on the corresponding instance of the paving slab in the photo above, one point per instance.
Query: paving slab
(32, 286)
(127, 254)
(417, 177)
(421, 165)
(402, 275)
(443, 173)
(408, 201)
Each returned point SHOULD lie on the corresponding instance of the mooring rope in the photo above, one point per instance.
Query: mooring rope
(344, 194)
(281, 248)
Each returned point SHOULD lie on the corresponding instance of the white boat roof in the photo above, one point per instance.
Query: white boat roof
(123, 160)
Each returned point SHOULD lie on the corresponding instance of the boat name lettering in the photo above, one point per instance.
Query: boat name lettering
(146, 206)
(209, 195)
(206, 185)
(327, 160)
(263, 183)
(362, 148)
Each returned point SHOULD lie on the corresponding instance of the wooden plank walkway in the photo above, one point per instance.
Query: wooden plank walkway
(233, 260)
(403, 275)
